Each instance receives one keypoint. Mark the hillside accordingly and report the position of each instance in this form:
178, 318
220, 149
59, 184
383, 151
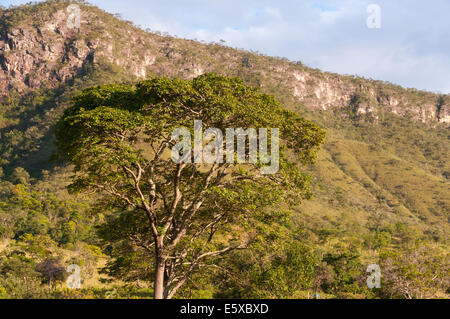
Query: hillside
385, 158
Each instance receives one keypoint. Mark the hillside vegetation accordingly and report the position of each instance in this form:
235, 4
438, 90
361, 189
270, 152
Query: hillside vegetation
380, 184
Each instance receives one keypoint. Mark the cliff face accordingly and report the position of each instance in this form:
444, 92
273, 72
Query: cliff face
50, 52
29, 57
45, 55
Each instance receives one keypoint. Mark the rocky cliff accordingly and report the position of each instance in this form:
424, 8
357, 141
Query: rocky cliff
48, 51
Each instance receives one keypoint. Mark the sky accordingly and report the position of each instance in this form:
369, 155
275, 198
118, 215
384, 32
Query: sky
407, 43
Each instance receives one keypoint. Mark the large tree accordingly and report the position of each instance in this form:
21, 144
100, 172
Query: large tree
183, 214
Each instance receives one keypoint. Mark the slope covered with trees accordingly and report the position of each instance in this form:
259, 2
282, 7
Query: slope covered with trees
380, 184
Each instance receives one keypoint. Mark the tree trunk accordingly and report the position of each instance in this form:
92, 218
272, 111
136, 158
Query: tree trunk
159, 278
160, 268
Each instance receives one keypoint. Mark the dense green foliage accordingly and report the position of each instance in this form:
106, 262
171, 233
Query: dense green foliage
181, 214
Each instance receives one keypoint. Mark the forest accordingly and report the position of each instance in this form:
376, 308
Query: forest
86, 177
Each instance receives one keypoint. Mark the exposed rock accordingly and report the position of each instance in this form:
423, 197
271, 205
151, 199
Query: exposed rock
444, 114
34, 56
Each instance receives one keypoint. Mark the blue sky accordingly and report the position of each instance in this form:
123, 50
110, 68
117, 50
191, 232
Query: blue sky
412, 47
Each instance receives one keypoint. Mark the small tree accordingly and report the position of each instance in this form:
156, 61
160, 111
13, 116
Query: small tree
180, 215
414, 273
52, 271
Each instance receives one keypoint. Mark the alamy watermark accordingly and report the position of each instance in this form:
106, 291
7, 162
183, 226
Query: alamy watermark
374, 280
374, 18
74, 18
74, 279
215, 152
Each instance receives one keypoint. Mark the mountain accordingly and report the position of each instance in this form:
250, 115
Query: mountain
387, 149
46, 51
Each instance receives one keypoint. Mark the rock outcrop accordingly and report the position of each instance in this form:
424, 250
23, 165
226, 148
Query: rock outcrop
46, 54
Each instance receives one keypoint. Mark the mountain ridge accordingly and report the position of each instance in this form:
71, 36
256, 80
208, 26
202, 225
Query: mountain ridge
46, 62
45, 53
380, 183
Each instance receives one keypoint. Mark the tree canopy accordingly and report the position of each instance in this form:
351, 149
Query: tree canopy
181, 215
